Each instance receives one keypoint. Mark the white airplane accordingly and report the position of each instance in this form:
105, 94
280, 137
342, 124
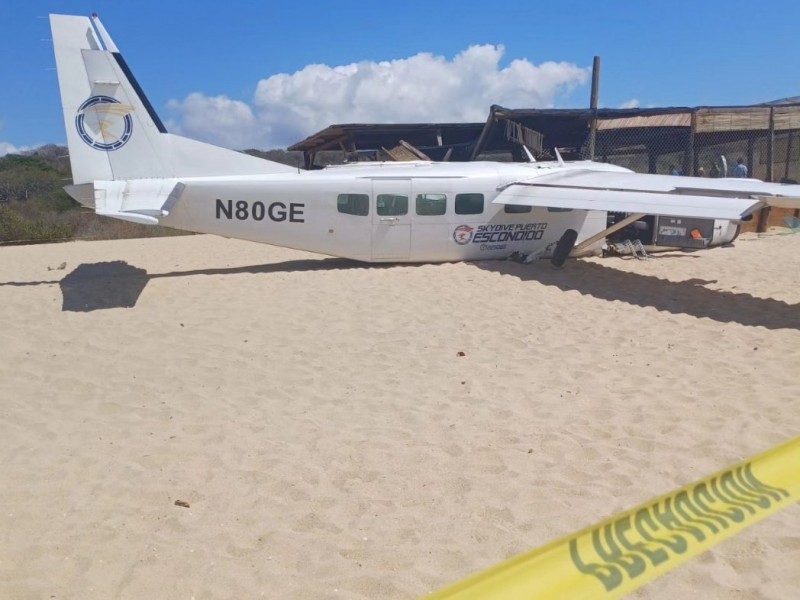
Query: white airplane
127, 166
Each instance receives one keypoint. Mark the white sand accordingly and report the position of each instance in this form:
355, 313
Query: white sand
330, 441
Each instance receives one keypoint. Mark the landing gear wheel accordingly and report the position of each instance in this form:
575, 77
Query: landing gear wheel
563, 248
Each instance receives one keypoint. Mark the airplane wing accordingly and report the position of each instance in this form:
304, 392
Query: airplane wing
621, 191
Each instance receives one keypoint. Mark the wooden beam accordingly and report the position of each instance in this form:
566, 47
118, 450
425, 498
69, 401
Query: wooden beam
388, 153
332, 143
414, 150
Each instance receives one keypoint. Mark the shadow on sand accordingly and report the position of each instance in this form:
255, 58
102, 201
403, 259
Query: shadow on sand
689, 297
117, 284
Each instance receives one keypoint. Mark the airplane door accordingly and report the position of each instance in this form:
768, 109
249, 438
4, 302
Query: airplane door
391, 219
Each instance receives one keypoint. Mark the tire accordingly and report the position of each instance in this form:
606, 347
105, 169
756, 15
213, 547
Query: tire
563, 248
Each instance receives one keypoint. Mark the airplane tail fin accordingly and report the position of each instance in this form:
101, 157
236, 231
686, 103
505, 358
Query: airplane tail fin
113, 132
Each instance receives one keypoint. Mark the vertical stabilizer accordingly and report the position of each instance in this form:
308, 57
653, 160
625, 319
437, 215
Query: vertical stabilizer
113, 132
71, 37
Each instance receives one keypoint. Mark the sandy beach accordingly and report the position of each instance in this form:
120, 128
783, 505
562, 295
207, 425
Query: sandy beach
346, 431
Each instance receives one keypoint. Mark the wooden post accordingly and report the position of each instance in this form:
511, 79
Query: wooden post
593, 105
652, 160
764, 213
771, 146
691, 167
484, 135
763, 219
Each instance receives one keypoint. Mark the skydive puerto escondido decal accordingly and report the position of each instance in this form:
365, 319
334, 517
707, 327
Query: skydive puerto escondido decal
498, 234
104, 123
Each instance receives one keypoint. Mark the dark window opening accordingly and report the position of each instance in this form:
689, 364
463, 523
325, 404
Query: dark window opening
353, 204
517, 209
431, 205
390, 205
469, 204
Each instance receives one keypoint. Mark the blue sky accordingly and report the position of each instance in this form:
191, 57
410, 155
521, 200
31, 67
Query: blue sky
213, 69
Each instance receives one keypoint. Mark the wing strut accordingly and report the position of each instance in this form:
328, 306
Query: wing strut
608, 231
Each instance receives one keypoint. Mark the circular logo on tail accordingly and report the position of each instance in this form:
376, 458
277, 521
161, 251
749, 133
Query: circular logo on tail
104, 123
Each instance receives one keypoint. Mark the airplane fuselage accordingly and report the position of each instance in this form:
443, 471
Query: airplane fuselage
389, 212
397, 212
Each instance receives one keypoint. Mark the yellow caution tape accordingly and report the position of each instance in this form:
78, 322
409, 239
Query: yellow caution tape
622, 553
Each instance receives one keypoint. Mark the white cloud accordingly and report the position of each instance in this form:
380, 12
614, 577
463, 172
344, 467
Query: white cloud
632, 103
216, 119
422, 88
6, 148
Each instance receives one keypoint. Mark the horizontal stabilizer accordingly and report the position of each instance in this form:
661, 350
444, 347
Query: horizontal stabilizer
142, 201
129, 216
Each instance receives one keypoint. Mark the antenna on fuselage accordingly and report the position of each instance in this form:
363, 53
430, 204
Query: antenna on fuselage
558, 157
528, 153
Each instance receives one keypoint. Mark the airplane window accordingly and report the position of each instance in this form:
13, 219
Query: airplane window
469, 204
353, 204
390, 205
431, 205
513, 209
557, 209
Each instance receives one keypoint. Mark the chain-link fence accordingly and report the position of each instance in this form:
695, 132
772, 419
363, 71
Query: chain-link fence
760, 142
